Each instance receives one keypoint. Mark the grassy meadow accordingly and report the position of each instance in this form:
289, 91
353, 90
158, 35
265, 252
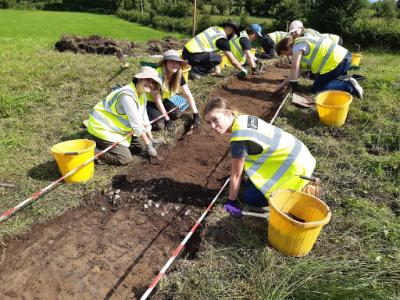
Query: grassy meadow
51, 25
357, 255
45, 95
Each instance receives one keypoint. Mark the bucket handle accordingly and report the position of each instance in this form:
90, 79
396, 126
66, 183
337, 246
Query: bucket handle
71, 153
309, 178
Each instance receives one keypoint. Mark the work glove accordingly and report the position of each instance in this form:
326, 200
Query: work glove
196, 120
233, 209
242, 74
169, 125
294, 85
151, 150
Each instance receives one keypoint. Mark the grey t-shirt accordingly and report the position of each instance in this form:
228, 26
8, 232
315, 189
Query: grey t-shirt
137, 115
301, 46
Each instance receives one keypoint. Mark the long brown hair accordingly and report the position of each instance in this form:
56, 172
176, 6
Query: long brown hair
174, 83
285, 44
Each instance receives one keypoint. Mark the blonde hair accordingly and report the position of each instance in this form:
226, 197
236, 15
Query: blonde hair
220, 104
174, 83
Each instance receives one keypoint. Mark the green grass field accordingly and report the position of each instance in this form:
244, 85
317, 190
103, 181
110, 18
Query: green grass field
51, 25
45, 95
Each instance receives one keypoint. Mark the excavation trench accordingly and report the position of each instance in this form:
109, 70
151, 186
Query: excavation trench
116, 242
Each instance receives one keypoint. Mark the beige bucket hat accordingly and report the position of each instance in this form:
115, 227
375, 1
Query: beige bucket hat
173, 55
149, 73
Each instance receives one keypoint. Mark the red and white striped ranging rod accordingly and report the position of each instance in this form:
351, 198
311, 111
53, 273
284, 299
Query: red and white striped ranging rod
4, 216
181, 245
190, 233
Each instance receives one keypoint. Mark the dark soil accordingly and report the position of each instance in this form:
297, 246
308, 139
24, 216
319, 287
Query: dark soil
166, 43
95, 44
117, 241
106, 46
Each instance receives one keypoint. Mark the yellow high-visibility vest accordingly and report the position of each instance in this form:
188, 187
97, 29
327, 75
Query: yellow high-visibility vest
237, 49
324, 55
205, 41
165, 92
281, 157
106, 123
277, 36
333, 37
308, 32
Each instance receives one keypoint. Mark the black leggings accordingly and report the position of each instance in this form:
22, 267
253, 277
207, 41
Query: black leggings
153, 113
202, 63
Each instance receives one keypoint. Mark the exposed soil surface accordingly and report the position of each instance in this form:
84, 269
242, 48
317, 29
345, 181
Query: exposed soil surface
94, 44
107, 46
113, 246
166, 43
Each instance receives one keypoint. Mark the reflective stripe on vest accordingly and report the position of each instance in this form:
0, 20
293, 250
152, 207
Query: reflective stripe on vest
106, 123
165, 93
324, 55
282, 157
308, 32
205, 41
333, 37
237, 49
277, 36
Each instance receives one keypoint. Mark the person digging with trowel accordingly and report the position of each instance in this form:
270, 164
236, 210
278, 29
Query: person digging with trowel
159, 102
122, 111
271, 158
202, 50
241, 49
326, 60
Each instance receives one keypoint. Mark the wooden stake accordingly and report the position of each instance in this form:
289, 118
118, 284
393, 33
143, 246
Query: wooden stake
194, 18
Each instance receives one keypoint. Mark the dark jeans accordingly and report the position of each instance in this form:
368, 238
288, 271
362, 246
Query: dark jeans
153, 113
202, 63
329, 80
252, 195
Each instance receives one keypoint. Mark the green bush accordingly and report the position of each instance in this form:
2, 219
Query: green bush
135, 16
376, 33
335, 16
7, 3
288, 10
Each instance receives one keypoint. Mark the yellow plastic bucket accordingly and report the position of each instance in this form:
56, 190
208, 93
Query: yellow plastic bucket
333, 107
71, 154
356, 59
287, 232
224, 61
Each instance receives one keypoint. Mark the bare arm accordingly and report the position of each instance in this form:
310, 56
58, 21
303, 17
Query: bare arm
294, 70
233, 60
188, 95
250, 58
237, 165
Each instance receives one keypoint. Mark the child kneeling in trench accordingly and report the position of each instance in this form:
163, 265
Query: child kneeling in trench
271, 157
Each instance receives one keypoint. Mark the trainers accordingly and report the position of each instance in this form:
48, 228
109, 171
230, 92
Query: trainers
194, 76
359, 90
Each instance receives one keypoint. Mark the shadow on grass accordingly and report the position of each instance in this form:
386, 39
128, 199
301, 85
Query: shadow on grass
302, 119
231, 232
45, 171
